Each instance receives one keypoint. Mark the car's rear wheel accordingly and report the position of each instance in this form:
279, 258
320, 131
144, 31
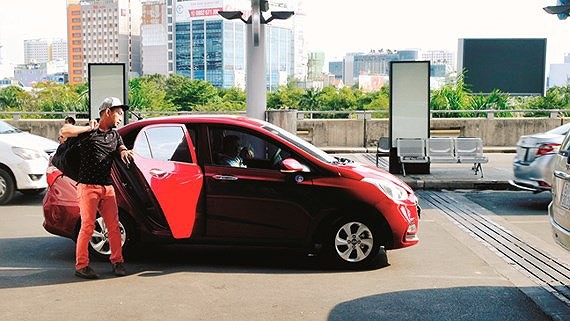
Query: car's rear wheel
99, 244
7, 187
353, 243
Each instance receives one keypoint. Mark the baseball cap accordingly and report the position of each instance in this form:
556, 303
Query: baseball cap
111, 102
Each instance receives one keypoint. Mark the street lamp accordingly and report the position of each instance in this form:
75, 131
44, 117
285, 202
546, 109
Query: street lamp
256, 99
562, 10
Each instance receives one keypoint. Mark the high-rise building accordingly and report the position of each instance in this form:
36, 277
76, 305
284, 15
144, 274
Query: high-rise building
36, 51
58, 50
103, 31
213, 49
44, 50
315, 64
157, 41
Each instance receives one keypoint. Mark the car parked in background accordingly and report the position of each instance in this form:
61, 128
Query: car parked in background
240, 181
532, 165
23, 162
559, 208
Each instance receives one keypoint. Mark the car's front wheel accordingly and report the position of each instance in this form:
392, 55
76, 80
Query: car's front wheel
353, 243
7, 187
99, 244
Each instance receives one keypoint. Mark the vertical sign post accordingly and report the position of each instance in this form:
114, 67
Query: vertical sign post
409, 109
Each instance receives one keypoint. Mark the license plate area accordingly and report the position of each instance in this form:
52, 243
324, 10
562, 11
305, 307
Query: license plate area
565, 196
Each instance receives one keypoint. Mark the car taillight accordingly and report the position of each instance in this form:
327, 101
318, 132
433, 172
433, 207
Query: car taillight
547, 149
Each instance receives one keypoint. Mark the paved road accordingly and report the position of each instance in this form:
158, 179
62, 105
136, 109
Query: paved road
448, 276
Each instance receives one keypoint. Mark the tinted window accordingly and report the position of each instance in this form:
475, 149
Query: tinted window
237, 148
166, 143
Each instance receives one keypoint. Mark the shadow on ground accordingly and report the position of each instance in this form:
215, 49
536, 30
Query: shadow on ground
38, 261
461, 303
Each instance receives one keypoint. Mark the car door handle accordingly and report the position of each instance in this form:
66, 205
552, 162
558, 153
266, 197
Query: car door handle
562, 175
157, 172
225, 178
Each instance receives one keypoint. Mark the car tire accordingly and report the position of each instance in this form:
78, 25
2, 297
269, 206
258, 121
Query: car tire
7, 187
352, 243
99, 245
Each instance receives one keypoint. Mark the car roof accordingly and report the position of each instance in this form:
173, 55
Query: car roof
195, 119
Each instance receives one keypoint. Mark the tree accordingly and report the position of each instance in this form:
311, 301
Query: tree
186, 93
148, 93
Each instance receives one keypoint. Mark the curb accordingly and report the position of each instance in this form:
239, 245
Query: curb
419, 184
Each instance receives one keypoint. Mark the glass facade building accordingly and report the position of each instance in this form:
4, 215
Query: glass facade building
212, 49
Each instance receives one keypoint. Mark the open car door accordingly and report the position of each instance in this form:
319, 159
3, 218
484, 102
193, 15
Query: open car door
165, 156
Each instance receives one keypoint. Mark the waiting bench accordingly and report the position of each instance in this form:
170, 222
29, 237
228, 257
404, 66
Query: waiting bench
442, 150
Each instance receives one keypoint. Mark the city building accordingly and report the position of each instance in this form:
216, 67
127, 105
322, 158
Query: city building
441, 62
335, 68
58, 50
315, 65
31, 73
157, 38
36, 51
103, 31
559, 75
210, 48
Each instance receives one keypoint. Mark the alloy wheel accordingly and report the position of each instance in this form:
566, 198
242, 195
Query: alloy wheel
353, 242
100, 240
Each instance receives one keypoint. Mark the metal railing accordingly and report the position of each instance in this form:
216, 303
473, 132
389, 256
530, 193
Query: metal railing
301, 114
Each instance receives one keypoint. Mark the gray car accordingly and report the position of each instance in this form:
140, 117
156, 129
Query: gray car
532, 165
559, 208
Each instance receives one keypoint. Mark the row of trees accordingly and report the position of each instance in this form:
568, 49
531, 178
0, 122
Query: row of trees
179, 93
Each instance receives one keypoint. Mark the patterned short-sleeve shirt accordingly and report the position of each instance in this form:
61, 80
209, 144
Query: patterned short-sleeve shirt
97, 151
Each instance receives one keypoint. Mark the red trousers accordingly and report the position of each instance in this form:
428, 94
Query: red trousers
93, 198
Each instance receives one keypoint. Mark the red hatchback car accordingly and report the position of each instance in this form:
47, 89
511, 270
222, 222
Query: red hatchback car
240, 181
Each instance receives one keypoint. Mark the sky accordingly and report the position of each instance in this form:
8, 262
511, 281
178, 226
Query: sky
339, 26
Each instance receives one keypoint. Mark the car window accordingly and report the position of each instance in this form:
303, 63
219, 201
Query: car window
237, 148
6, 128
166, 143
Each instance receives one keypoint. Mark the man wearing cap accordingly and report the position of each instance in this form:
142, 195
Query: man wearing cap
99, 144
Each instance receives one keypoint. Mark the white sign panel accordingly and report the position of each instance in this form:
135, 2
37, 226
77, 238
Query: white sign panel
105, 80
409, 100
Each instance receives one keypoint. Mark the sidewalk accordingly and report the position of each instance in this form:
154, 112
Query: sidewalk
496, 173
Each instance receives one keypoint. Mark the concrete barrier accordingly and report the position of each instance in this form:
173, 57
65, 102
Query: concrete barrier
363, 133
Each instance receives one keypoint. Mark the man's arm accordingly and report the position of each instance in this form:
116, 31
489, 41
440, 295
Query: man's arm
69, 130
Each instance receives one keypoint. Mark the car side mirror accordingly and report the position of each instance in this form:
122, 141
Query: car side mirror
291, 165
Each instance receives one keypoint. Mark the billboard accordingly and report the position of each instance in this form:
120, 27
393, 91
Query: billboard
513, 65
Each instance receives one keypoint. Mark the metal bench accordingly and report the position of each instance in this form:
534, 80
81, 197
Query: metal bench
411, 150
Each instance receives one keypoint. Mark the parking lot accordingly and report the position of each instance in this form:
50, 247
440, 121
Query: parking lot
449, 275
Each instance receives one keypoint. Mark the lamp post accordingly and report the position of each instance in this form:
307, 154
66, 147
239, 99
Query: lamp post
256, 99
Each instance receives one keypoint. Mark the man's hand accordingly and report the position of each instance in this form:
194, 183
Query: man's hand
126, 156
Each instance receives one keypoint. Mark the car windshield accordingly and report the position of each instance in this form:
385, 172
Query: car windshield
5, 128
562, 130
301, 143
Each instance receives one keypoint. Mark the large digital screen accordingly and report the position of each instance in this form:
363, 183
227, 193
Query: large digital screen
514, 66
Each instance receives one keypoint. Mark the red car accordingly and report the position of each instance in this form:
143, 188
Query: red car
237, 180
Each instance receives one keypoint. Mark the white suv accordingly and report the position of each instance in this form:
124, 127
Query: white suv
559, 208
23, 162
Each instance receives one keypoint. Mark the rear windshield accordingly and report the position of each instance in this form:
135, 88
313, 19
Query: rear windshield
562, 130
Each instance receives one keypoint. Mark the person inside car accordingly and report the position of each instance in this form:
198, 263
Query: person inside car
230, 155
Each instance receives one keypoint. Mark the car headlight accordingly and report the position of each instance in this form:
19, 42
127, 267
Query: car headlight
28, 154
393, 191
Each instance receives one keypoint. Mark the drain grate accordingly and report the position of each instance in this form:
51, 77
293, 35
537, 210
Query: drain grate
538, 265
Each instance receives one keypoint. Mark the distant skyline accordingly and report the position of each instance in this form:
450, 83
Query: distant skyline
337, 27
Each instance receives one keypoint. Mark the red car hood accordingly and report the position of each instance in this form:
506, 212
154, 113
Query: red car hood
359, 171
